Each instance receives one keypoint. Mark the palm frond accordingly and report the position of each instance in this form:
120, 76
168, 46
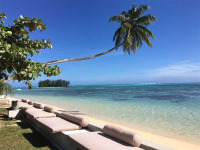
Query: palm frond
9, 89
122, 30
142, 8
127, 42
126, 48
118, 40
124, 13
134, 6
116, 33
127, 25
144, 38
117, 18
128, 38
6, 88
119, 35
146, 20
146, 31
137, 41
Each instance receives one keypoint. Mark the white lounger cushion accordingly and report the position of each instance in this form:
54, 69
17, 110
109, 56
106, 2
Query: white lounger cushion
98, 141
38, 113
76, 119
39, 105
50, 109
25, 100
56, 124
122, 134
30, 102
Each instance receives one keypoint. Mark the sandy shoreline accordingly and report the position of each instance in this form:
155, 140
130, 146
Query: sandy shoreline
158, 139
172, 143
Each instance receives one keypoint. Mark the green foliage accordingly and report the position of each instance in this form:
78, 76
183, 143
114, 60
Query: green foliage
16, 49
6, 88
133, 30
54, 83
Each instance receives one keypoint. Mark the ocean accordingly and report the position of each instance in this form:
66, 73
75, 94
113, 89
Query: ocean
171, 110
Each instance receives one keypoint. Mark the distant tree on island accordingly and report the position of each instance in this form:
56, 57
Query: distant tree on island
16, 48
54, 83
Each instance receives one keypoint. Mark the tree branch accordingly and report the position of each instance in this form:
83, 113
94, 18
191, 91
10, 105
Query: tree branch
9, 78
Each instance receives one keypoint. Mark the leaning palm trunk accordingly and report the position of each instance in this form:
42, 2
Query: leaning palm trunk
84, 58
73, 59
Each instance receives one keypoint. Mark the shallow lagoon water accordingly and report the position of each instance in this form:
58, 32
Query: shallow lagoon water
168, 109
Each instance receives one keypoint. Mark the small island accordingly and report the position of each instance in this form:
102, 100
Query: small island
54, 83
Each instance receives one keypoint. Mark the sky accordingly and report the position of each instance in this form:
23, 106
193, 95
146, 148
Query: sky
80, 28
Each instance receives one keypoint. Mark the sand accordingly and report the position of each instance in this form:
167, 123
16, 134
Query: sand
171, 143
158, 139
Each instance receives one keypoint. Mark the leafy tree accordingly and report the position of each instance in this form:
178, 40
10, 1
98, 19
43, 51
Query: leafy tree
16, 47
40, 84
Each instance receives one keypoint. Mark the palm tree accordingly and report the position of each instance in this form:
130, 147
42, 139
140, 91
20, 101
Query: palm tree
131, 34
6, 88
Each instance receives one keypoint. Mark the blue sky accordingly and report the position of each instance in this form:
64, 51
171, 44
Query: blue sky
80, 28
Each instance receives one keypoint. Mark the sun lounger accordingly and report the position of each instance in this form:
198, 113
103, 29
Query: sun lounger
35, 113
66, 122
25, 104
112, 138
39, 113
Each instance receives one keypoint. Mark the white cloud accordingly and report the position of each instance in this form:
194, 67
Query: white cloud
176, 73
180, 69
180, 72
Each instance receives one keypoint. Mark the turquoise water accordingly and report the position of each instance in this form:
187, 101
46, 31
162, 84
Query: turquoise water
167, 109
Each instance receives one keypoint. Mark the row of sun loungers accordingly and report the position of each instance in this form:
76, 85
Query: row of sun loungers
54, 122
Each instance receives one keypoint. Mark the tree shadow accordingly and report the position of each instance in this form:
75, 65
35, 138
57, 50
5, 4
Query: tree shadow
37, 140
33, 136
24, 125
4, 117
